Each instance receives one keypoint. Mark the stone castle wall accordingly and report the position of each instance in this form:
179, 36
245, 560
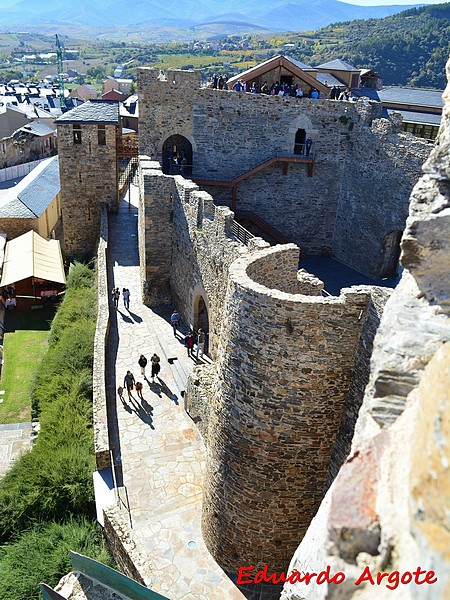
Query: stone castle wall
99, 404
285, 363
397, 476
88, 174
155, 233
378, 298
187, 246
362, 177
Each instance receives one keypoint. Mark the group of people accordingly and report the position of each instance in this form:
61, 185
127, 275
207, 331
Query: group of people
177, 162
336, 93
219, 82
125, 295
129, 382
190, 339
278, 89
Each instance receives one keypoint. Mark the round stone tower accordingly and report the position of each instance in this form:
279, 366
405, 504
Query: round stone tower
285, 362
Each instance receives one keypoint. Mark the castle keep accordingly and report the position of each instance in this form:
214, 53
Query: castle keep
353, 207
87, 139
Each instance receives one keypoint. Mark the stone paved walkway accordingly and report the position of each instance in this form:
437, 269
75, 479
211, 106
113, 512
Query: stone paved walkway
161, 452
14, 440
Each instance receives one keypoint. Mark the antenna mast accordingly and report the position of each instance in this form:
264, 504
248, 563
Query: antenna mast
60, 70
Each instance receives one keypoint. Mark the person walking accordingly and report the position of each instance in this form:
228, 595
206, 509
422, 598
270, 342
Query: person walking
189, 343
156, 367
126, 298
116, 296
142, 362
174, 321
200, 343
128, 382
139, 390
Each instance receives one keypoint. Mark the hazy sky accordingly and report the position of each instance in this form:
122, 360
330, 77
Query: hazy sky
391, 2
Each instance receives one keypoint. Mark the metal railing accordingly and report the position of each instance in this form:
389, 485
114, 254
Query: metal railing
263, 226
241, 233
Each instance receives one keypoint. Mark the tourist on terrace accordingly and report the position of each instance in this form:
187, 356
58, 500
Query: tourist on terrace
265, 88
201, 339
156, 367
314, 94
299, 92
189, 343
139, 390
126, 298
116, 296
142, 362
128, 382
308, 146
175, 321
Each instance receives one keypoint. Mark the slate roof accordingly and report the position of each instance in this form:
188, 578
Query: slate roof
337, 65
300, 64
37, 128
419, 118
367, 93
330, 79
30, 198
414, 96
98, 111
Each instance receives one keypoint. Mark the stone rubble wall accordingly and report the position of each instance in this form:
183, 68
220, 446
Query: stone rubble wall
284, 366
100, 415
378, 298
388, 507
155, 233
381, 170
363, 175
282, 273
199, 390
130, 557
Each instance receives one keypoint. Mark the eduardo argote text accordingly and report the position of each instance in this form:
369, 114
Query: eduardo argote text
248, 575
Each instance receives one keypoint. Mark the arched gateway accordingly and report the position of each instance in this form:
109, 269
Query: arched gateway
177, 156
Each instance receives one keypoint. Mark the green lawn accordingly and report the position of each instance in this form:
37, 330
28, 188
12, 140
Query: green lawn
24, 345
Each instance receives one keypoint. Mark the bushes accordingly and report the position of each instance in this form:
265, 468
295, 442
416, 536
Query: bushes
42, 554
53, 482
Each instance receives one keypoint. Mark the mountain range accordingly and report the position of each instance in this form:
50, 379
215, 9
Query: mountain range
269, 14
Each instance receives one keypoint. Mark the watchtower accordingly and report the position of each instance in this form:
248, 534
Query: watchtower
87, 145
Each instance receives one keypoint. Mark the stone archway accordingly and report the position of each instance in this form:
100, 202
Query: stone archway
201, 318
390, 254
299, 129
177, 156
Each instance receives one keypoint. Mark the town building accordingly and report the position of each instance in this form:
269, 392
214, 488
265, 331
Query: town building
34, 203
